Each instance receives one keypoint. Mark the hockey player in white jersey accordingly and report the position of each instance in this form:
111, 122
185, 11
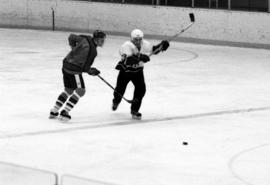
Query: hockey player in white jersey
134, 54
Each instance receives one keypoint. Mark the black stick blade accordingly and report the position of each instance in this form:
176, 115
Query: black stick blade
192, 17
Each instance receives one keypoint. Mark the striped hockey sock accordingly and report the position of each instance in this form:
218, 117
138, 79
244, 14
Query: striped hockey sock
72, 102
62, 98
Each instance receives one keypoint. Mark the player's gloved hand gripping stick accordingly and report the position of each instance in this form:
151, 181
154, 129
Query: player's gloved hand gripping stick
93, 71
192, 20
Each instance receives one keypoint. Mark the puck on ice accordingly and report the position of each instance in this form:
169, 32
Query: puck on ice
185, 143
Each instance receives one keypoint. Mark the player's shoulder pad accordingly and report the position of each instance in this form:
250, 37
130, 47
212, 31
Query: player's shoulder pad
128, 44
147, 47
127, 48
86, 36
86, 39
146, 42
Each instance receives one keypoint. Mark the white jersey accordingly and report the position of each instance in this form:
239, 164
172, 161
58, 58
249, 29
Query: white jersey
129, 49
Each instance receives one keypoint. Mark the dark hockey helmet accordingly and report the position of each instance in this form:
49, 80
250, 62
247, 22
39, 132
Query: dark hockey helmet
99, 34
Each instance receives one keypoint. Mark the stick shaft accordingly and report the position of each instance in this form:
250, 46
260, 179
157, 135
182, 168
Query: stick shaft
180, 32
173, 37
113, 89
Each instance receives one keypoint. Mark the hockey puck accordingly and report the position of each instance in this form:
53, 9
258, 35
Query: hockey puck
185, 143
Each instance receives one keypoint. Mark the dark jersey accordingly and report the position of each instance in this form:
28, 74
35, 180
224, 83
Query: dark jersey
82, 55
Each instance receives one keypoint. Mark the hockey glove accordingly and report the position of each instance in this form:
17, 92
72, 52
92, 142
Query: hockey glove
93, 71
165, 44
144, 58
134, 59
162, 46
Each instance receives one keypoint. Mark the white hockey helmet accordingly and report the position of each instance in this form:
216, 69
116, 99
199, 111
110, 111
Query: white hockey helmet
136, 34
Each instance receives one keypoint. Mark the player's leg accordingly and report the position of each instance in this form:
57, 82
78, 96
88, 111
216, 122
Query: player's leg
78, 84
72, 101
139, 92
61, 100
121, 85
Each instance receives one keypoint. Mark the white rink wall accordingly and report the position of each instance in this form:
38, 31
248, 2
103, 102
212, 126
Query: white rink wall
213, 26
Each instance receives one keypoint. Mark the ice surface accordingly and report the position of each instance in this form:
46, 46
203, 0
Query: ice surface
12, 174
215, 98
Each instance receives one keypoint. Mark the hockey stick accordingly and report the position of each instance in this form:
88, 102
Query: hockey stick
129, 101
192, 20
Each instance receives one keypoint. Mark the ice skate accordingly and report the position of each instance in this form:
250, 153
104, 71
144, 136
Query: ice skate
114, 106
136, 115
53, 115
64, 116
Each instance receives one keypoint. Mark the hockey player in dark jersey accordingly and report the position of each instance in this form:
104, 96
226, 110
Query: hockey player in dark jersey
134, 54
79, 60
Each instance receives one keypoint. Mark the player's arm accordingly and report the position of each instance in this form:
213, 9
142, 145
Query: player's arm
74, 40
130, 60
127, 55
93, 71
162, 46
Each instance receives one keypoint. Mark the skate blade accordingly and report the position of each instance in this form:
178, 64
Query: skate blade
114, 108
136, 117
53, 117
63, 119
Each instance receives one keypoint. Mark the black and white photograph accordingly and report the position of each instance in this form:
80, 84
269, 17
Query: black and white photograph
134, 92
